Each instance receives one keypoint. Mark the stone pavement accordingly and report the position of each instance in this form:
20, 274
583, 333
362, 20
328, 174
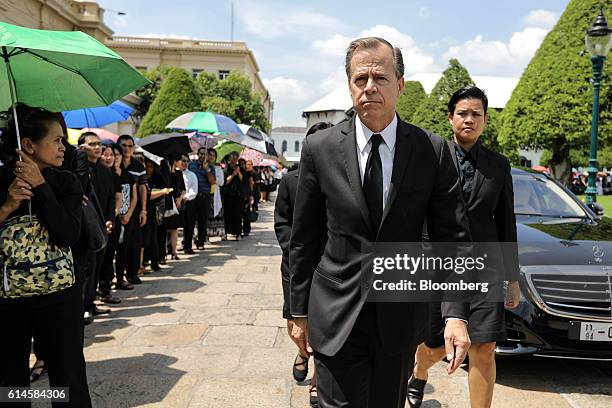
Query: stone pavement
208, 332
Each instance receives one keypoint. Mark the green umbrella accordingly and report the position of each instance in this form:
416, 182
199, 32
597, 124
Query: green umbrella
225, 147
60, 71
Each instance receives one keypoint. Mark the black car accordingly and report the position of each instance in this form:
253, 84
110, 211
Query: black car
565, 253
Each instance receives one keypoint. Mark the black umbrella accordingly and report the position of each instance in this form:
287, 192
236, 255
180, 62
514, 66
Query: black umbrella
165, 143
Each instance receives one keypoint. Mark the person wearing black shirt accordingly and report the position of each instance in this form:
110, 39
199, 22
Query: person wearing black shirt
486, 182
232, 194
101, 189
53, 312
125, 203
247, 195
129, 262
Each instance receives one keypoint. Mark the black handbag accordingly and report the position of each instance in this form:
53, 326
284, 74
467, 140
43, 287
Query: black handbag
253, 216
93, 225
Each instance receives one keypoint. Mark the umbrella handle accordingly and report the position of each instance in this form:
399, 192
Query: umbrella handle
13, 91
12, 87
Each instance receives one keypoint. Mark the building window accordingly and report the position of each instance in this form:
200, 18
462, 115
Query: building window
141, 69
195, 72
297, 146
284, 148
223, 74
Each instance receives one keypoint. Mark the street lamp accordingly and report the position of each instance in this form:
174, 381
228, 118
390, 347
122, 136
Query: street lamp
598, 42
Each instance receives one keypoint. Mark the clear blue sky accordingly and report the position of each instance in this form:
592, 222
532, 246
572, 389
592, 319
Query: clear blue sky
299, 44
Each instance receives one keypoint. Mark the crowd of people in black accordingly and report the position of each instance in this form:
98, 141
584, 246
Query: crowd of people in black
80, 224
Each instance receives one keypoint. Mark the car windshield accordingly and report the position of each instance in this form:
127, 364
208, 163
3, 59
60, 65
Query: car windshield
537, 195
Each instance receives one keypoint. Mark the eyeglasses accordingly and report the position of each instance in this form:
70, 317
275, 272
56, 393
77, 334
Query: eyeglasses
127, 146
94, 144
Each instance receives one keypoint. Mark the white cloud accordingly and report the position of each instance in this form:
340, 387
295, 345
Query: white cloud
424, 13
496, 57
281, 20
285, 89
415, 59
525, 43
541, 18
334, 80
333, 46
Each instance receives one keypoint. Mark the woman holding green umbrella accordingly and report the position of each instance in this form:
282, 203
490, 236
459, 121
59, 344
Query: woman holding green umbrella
39, 295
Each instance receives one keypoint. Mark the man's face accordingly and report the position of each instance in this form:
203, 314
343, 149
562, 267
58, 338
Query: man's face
202, 155
128, 147
374, 86
93, 147
468, 121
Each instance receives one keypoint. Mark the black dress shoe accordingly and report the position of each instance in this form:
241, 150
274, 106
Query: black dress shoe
110, 299
189, 252
416, 391
135, 280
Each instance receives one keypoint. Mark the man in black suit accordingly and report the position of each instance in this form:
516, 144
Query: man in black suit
373, 178
487, 189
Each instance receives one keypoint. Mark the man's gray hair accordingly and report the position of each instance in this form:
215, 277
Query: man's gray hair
373, 42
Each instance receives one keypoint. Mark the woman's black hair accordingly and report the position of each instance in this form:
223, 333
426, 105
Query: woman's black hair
118, 147
34, 124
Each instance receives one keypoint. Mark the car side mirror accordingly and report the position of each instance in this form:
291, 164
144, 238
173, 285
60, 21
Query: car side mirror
597, 209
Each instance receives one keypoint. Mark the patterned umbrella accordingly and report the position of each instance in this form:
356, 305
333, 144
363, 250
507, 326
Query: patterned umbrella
253, 155
198, 140
207, 122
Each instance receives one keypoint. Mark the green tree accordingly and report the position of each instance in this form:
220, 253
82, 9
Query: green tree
580, 158
149, 92
551, 106
177, 95
410, 99
432, 113
232, 97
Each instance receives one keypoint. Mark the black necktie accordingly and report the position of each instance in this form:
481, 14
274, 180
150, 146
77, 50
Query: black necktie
373, 182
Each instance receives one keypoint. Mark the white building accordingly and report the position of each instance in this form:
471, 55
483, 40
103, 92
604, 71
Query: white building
288, 142
332, 107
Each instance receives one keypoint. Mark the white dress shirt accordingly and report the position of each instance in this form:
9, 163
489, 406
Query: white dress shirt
386, 151
191, 184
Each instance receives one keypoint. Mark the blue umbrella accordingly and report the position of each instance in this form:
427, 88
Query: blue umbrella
97, 117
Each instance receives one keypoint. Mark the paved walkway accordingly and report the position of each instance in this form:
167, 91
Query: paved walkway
208, 332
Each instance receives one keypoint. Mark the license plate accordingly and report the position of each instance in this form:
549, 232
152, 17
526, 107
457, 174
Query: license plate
594, 331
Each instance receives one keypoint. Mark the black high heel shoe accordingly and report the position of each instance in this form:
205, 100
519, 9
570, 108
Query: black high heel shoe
300, 375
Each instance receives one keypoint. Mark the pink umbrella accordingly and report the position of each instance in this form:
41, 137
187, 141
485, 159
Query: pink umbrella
253, 155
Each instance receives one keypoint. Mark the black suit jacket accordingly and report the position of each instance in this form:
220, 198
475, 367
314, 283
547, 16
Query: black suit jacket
283, 220
327, 288
490, 206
